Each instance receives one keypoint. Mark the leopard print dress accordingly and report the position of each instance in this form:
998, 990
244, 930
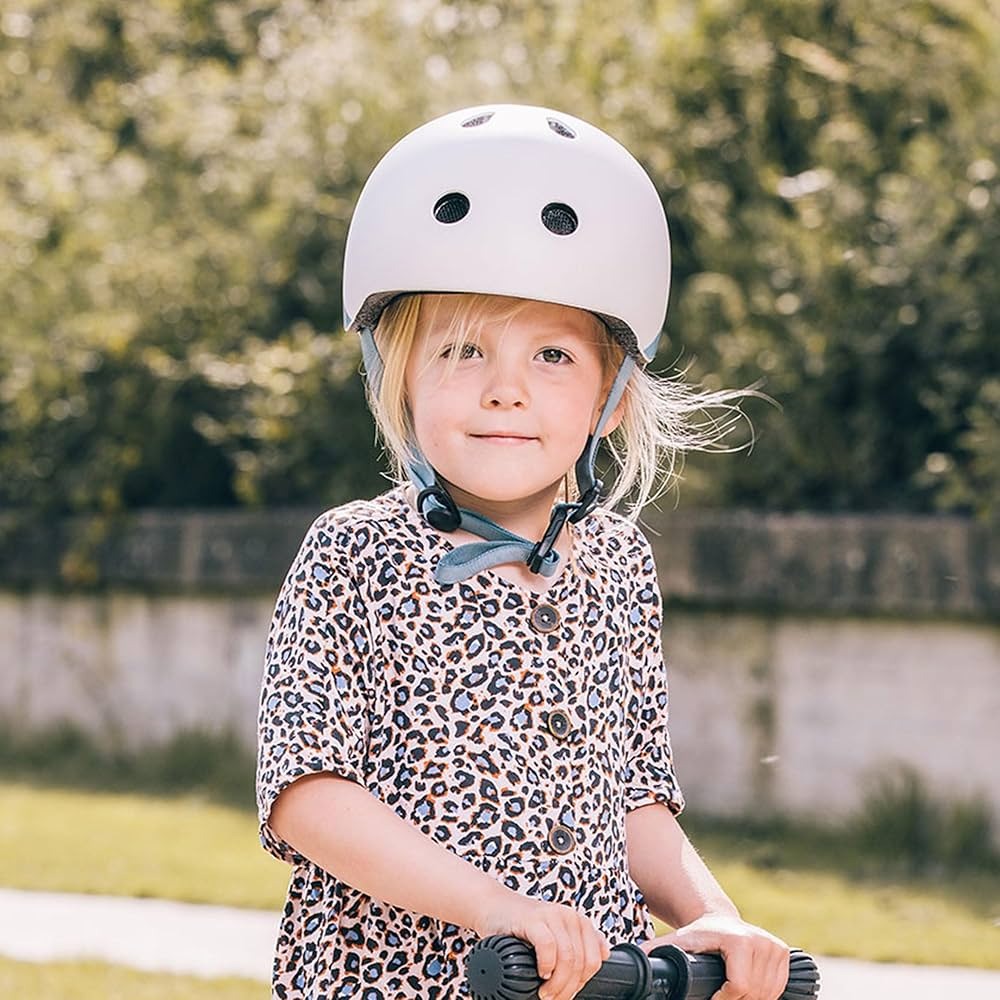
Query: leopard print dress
514, 728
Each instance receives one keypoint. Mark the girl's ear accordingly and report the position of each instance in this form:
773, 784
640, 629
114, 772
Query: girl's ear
617, 415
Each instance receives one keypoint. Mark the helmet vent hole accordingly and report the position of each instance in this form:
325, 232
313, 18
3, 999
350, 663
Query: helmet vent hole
478, 120
559, 219
564, 130
452, 207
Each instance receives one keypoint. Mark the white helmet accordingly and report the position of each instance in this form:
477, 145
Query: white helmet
513, 200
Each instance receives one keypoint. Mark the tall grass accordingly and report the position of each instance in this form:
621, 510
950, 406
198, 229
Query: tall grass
216, 765
914, 833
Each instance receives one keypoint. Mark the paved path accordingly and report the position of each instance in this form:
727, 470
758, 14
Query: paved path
153, 934
164, 936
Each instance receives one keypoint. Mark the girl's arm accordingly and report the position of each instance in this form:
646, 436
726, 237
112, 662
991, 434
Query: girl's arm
680, 890
344, 829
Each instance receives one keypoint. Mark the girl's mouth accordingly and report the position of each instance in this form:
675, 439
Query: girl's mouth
504, 439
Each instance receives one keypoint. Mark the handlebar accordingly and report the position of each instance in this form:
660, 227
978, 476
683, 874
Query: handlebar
504, 968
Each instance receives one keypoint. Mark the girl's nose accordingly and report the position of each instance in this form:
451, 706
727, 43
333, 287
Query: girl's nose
505, 386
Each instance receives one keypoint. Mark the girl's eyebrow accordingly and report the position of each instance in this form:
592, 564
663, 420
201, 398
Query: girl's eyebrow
566, 327
568, 336
539, 332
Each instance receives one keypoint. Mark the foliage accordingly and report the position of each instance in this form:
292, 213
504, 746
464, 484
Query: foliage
216, 766
910, 831
178, 177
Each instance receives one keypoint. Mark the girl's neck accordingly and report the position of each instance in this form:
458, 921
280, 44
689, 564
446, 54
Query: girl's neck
527, 516
529, 519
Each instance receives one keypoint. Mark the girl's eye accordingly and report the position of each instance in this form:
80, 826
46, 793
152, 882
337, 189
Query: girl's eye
468, 351
554, 355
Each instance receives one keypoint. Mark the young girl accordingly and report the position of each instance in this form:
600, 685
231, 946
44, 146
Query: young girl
463, 726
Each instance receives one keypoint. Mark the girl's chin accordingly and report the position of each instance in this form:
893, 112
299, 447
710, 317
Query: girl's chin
507, 494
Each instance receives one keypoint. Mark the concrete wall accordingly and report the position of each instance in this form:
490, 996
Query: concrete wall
132, 668
796, 714
807, 653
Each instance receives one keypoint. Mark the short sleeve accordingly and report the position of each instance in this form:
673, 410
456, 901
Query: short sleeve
649, 768
314, 705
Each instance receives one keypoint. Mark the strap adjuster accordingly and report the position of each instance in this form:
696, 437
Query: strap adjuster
587, 502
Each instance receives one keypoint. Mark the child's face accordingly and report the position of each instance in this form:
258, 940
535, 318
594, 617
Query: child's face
512, 417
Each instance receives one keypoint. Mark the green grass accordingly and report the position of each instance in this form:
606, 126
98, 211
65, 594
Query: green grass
813, 888
181, 848
810, 887
97, 981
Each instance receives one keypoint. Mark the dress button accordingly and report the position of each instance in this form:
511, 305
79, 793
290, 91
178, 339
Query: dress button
544, 618
561, 839
558, 723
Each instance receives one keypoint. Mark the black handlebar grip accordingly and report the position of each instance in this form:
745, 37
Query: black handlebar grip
503, 968
698, 977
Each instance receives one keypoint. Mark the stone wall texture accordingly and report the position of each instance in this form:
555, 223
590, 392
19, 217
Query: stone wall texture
808, 655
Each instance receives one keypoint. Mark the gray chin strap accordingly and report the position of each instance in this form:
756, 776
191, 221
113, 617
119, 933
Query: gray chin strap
499, 546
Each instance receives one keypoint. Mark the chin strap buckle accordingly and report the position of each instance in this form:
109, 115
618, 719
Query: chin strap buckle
561, 513
445, 517
543, 548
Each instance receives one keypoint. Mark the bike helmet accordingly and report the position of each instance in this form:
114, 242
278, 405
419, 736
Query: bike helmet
518, 201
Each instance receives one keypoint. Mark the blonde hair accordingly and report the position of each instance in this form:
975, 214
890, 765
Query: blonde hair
663, 417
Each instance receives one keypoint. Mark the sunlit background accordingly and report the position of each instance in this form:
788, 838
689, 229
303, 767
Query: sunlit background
178, 179
176, 182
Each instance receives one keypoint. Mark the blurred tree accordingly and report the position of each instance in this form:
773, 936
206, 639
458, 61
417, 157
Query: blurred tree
178, 177
838, 203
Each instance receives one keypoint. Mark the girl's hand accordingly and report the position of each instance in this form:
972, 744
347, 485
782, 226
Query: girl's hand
569, 949
756, 962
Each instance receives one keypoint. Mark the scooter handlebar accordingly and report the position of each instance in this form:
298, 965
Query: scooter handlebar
504, 968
